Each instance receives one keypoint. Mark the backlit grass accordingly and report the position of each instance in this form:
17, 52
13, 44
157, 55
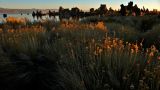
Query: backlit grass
77, 56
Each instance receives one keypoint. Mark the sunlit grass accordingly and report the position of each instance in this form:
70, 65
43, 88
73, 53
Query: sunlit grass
77, 56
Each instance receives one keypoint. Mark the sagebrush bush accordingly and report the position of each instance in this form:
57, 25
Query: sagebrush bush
124, 32
152, 37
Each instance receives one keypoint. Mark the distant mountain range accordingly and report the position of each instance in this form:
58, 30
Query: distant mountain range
23, 11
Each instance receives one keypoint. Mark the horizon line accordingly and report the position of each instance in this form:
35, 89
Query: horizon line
150, 9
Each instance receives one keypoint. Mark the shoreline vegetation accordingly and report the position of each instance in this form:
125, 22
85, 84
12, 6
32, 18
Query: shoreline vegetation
94, 53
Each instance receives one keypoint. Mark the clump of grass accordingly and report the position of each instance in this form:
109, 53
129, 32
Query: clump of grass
28, 60
106, 64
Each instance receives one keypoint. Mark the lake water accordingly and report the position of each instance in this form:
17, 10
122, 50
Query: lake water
29, 17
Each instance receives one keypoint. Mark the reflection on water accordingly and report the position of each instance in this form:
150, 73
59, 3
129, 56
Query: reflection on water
28, 16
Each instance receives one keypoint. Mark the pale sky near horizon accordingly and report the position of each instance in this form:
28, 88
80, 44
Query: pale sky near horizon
82, 4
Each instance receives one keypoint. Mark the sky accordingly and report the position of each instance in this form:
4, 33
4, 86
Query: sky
82, 4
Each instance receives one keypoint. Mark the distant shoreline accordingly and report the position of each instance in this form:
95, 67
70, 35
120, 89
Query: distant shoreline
23, 11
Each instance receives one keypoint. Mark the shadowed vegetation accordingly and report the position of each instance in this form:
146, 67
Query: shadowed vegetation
106, 54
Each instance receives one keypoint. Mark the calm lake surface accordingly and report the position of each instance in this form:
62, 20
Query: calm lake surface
28, 16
